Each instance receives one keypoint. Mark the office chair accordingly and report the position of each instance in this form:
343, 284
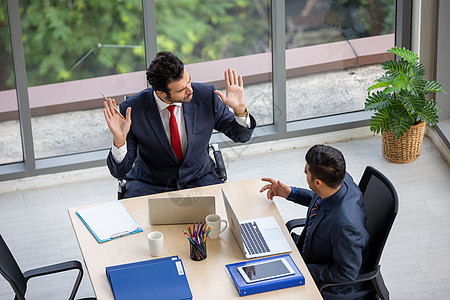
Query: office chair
18, 280
381, 205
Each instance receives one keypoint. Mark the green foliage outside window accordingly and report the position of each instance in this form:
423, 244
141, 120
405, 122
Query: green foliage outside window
76, 39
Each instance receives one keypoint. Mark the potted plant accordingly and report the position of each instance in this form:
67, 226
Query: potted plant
401, 107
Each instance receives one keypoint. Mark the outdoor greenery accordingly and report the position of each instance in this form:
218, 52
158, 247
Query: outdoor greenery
402, 101
361, 18
76, 39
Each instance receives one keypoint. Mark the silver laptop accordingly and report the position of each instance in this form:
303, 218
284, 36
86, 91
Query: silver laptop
256, 237
180, 210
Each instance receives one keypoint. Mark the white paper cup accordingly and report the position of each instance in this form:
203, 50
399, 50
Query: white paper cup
155, 243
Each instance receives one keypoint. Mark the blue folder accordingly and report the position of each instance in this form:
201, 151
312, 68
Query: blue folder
245, 288
161, 278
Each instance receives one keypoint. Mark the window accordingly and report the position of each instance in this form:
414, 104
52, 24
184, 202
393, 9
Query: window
10, 138
333, 50
73, 51
210, 36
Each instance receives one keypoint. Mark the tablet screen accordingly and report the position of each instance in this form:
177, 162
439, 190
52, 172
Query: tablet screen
266, 270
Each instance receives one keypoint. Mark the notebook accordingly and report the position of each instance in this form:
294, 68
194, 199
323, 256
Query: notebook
256, 237
181, 210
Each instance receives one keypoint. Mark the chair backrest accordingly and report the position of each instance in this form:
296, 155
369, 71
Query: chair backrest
11, 270
381, 205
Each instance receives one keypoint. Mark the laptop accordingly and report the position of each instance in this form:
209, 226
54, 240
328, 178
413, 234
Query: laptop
181, 210
256, 237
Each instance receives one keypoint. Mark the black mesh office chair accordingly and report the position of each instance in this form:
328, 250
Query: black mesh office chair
18, 280
381, 205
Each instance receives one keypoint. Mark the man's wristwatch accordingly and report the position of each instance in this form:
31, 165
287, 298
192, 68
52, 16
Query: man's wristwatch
244, 114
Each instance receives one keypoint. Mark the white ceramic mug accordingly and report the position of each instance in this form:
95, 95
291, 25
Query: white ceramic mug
215, 223
155, 243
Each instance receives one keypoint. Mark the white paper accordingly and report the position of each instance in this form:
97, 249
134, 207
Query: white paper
109, 220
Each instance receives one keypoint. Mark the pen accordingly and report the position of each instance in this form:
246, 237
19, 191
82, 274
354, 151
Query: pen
199, 249
115, 108
197, 246
119, 234
209, 230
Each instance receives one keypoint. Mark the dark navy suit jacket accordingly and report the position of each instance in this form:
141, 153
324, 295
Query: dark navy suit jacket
337, 243
150, 159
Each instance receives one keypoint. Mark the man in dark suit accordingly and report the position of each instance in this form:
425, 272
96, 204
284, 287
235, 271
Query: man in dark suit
162, 142
334, 241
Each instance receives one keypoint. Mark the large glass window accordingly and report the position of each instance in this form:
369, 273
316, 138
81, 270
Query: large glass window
74, 50
10, 139
333, 51
210, 36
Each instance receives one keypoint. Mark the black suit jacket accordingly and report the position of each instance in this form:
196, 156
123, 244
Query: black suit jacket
150, 157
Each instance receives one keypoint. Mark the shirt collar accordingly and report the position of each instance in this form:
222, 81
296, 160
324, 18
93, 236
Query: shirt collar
339, 193
163, 105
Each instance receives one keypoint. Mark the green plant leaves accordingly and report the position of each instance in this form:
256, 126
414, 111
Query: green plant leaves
402, 99
429, 112
405, 54
377, 101
434, 87
379, 121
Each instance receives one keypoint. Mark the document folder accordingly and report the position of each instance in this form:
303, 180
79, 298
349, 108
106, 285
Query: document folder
162, 278
108, 221
245, 288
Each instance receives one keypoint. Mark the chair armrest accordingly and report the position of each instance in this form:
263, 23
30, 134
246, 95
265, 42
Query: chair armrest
294, 223
121, 188
220, 165
361, 278
56, 268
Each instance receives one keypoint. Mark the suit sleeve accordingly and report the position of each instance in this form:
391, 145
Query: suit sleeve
347, 246
300, 196
121, 170
225, 122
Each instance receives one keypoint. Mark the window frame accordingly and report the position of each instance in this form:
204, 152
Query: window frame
280, 129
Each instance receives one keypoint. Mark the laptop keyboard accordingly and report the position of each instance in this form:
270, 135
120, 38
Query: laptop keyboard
253, 239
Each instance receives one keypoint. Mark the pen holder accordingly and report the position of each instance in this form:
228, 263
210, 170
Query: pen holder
197, 251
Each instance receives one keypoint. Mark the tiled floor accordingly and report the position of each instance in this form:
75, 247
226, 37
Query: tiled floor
415, 263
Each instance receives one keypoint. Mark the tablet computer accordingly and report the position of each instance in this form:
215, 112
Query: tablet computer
265, 270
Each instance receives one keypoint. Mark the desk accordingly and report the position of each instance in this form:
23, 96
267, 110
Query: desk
207, 279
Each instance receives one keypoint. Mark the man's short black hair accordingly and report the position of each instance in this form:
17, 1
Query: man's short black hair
164, 69
327, 164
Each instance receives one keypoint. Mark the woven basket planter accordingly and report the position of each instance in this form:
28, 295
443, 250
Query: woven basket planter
405, 149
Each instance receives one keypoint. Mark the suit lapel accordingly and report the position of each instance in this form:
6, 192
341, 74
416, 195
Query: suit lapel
155, 122
190, 116
323, 212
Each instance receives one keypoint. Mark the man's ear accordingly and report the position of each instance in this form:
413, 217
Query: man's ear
161, 95
318, 183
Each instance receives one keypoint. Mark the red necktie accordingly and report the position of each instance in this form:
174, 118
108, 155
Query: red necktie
174, 134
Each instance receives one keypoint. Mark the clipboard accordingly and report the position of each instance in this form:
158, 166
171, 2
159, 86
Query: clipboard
108, 221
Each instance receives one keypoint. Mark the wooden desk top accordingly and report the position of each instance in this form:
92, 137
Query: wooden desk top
208, 278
